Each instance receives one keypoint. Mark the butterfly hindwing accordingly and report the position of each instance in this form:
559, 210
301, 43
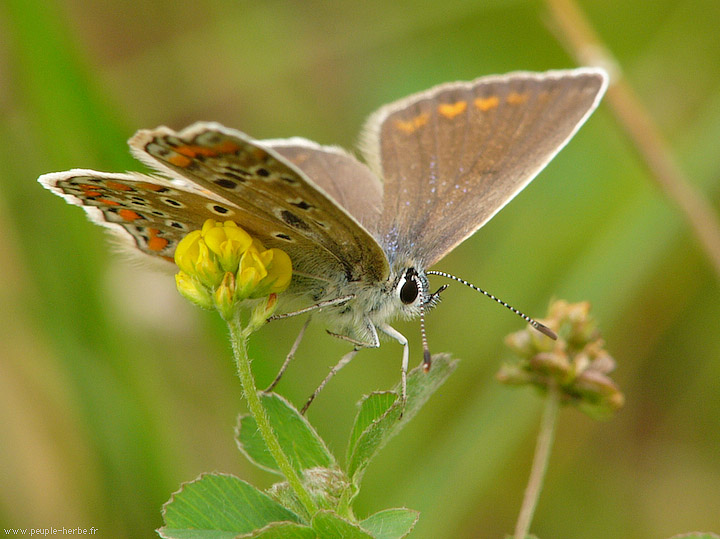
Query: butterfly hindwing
348, 181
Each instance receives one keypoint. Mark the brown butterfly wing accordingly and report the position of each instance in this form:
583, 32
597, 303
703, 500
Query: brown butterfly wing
348, 181
280, 204
144, 213
453, 156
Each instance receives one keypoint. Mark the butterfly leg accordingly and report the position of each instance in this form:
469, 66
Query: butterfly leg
399, 337
289, 357
374, 343
333, 371
316, 307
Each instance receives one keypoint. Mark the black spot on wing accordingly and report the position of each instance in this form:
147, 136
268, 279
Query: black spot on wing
302, 205
225, 183
293, 220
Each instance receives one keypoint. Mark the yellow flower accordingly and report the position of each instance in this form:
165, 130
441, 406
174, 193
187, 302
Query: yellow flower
224, 296
193, 290
279, 272
222, 265
228, 241
251, 272
187, 251
194, 258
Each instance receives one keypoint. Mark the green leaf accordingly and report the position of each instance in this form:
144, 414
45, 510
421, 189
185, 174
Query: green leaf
329, 525
372, 438
372, 407
391, 523
420, 386
219, 506
281, 530
299, 440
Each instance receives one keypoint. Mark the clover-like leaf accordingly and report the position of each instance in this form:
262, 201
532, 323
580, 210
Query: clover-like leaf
220, 506
372, 407
391, 523
281, 530
329, 525
378, 419
299, 440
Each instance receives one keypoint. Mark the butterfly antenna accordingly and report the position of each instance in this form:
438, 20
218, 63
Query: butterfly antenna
534, 323
427, 358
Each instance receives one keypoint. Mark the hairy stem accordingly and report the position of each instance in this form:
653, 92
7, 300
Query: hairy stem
239, 344
540, 462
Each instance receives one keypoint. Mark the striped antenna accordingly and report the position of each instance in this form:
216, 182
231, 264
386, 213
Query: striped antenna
534, 323
427, 358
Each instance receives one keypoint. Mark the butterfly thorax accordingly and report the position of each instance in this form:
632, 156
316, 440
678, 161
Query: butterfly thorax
370, 306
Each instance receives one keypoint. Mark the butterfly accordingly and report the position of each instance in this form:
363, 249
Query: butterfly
361, 236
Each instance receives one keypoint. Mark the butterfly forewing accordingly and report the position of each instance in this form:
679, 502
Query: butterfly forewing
453, 156
282, 206
147, 213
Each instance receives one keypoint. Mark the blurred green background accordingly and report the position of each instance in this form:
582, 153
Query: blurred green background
113, 390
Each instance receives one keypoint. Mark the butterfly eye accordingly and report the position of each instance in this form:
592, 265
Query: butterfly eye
409, 289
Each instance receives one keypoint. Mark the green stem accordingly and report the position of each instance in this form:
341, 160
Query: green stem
238, 337
540, 462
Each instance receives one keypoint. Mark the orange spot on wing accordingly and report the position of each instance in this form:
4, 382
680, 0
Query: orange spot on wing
188, 151
191, 150
129, 215
450, 110
259, 154
185, 154
155, 242
180, 160
108, 201
90, 191
413, 124
117, 186
515, 98
227, 146
300, 158
486, 103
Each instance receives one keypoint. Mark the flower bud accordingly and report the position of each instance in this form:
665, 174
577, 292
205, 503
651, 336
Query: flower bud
577, 363
193, 290
224, 296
